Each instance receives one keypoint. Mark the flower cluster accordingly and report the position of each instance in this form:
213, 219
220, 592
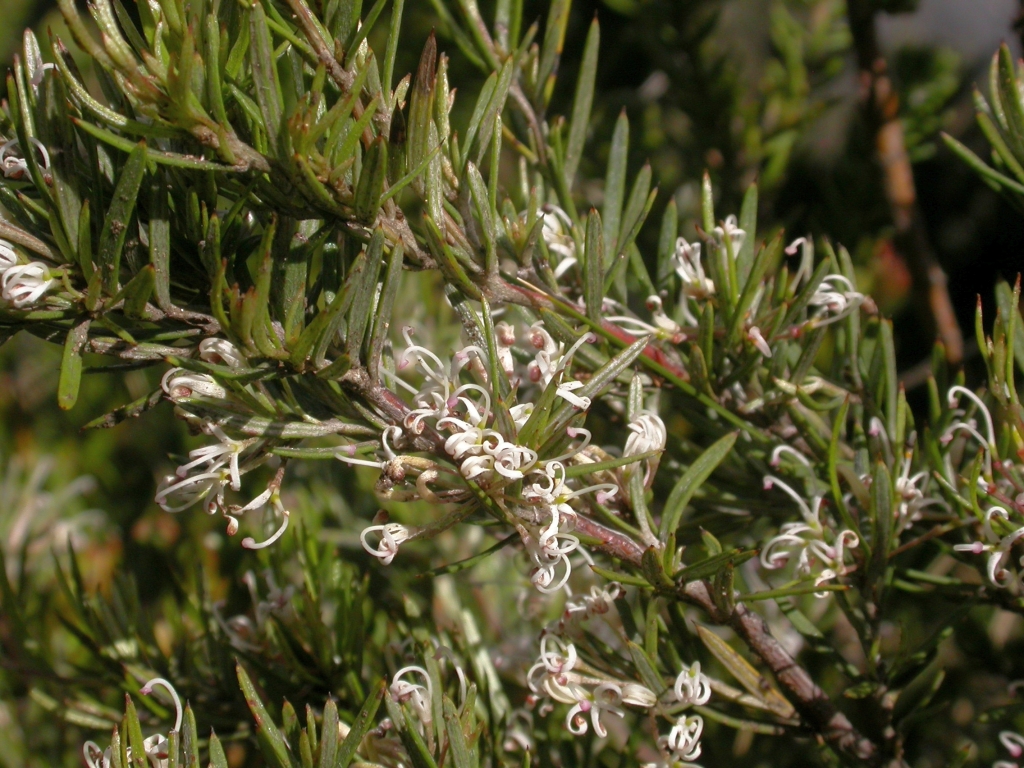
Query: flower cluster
819, 553
156, 747
22, 285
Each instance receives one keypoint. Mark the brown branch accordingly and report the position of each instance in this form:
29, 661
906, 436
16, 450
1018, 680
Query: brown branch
813, 704
881, 110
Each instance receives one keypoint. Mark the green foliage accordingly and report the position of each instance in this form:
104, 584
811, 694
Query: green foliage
683, 434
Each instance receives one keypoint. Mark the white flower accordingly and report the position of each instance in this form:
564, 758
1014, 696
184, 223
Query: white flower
683, 741
15, 166
24, 285
998, 548
221, 351
583, 608
551, 357
554, 676
692, 686
179, 384
834, 298
391, 537
686, 262
808, 539
988, 442
730, 229
557, 233
647, 433
175, 494
417, 696
227, 451
155, 747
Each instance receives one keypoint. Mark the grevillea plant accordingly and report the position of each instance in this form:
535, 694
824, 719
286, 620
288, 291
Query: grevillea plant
592, 501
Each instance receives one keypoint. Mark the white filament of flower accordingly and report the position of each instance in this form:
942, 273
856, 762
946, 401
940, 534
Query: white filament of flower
807, 538
998, 547
391, 537
988, 442
273, 496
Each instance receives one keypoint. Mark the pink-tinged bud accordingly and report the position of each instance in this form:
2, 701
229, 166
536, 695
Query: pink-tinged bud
533, 371
232, 526
537, 339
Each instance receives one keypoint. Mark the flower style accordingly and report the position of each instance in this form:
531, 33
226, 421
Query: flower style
554, 676
834, 298
25, 284
391, 537
808, 539
155, 747
664, 326
998, 549
912, 498
988, 442
1014, 744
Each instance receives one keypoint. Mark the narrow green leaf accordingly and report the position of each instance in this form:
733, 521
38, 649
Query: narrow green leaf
582, 103
363, 722
371, 181
667, 244
263, 67
691, 480
456, 737
385, 309
757, 685
593, 267
270, 739
71, 365
217, 757
551, 49
615, 185
119, 217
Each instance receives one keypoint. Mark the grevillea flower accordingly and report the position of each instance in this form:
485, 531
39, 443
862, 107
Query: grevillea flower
1014, 744
834, 299
155, 747
179, 384
24, 285
391, 537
